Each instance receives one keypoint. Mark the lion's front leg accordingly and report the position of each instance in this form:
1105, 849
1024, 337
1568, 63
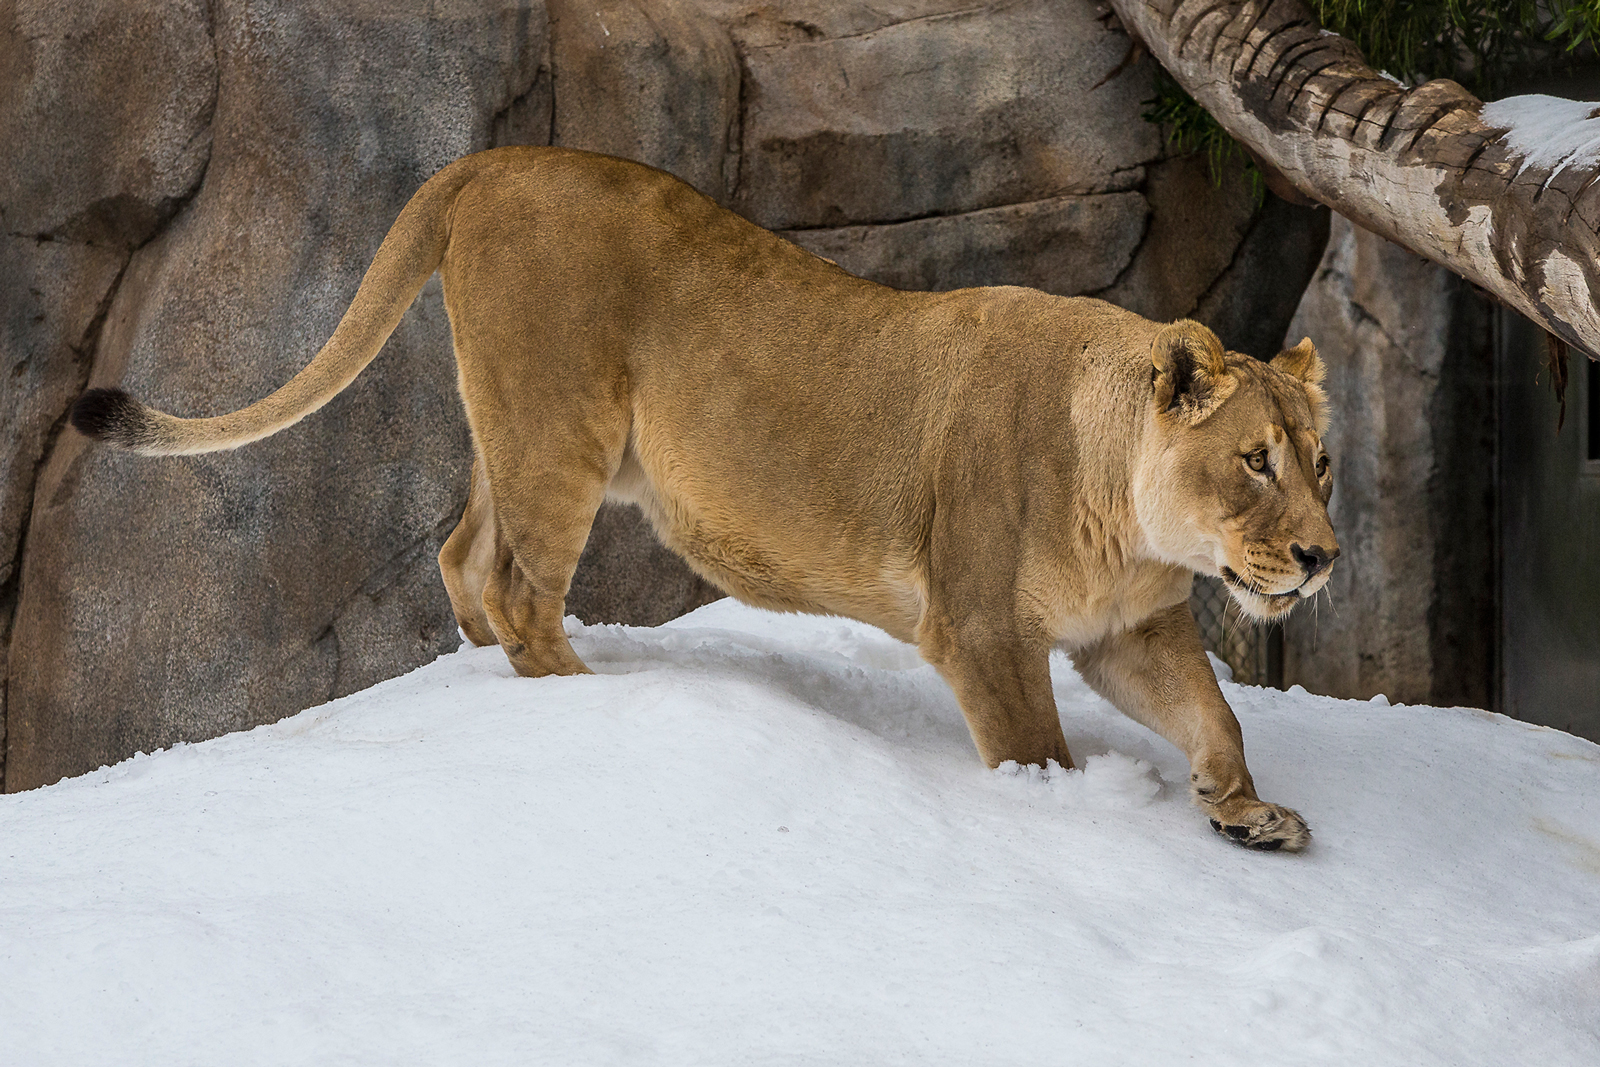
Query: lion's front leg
1002, 681
997, 663
1158, 675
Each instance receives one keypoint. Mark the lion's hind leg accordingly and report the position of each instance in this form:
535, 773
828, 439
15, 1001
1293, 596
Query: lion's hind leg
493, 600
468, 559
547, 476
527, 619
541, 519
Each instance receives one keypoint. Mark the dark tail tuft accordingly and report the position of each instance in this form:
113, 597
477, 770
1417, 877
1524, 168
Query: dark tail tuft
112, 416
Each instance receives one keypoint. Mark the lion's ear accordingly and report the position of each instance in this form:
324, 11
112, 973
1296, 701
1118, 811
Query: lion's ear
1189, 374
1302, 362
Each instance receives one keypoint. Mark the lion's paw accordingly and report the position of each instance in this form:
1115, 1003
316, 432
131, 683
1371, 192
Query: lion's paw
1266, 827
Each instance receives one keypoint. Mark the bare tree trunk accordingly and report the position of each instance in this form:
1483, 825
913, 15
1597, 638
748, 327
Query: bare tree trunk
1418, 166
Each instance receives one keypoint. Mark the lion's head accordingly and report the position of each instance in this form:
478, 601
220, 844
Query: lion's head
1236, 481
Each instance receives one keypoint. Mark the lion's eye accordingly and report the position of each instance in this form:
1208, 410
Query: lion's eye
1257, 460
1322, 466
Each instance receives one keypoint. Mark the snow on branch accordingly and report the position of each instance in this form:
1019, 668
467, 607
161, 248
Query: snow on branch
1507, 195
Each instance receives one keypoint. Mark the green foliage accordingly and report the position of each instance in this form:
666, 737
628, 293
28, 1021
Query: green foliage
1190, 128
1483, 44
1576, 23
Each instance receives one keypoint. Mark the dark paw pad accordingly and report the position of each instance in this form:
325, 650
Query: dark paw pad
1238, 833
1247, 837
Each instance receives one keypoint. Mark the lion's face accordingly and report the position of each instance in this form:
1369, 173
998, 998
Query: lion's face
1237, 483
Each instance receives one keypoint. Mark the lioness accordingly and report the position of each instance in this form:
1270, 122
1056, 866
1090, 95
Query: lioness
988, 473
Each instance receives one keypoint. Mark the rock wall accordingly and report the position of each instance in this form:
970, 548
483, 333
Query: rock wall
1410, 609
192, 191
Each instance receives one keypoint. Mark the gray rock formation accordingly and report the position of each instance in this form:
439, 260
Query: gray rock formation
1409, 611
953, 110
244, 180
1067, 244
192, 191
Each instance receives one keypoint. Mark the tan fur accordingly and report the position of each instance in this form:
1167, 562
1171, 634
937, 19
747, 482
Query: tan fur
986, 473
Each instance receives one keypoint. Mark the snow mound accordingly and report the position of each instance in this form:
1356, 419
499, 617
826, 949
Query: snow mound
1112, 782
764, 839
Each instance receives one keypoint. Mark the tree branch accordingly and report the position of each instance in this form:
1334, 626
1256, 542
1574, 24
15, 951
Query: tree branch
1418, 166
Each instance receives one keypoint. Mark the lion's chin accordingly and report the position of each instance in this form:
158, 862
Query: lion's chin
1269, 607
1261, 607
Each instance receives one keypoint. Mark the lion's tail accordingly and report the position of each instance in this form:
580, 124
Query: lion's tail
408, 257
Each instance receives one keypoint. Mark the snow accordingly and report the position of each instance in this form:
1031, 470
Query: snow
763, 839
1548, 132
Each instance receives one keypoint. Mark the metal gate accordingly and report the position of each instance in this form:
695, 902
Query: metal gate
1549, 535
1254, 650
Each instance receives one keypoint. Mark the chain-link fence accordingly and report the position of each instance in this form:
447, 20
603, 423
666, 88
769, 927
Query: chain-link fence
1252, 649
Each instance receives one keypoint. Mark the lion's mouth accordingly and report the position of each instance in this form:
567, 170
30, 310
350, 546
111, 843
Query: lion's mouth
1232, 578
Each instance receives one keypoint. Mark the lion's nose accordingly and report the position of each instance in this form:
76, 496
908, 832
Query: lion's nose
1315, 558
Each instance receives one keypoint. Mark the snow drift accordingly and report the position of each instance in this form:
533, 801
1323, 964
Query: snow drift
762, 839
